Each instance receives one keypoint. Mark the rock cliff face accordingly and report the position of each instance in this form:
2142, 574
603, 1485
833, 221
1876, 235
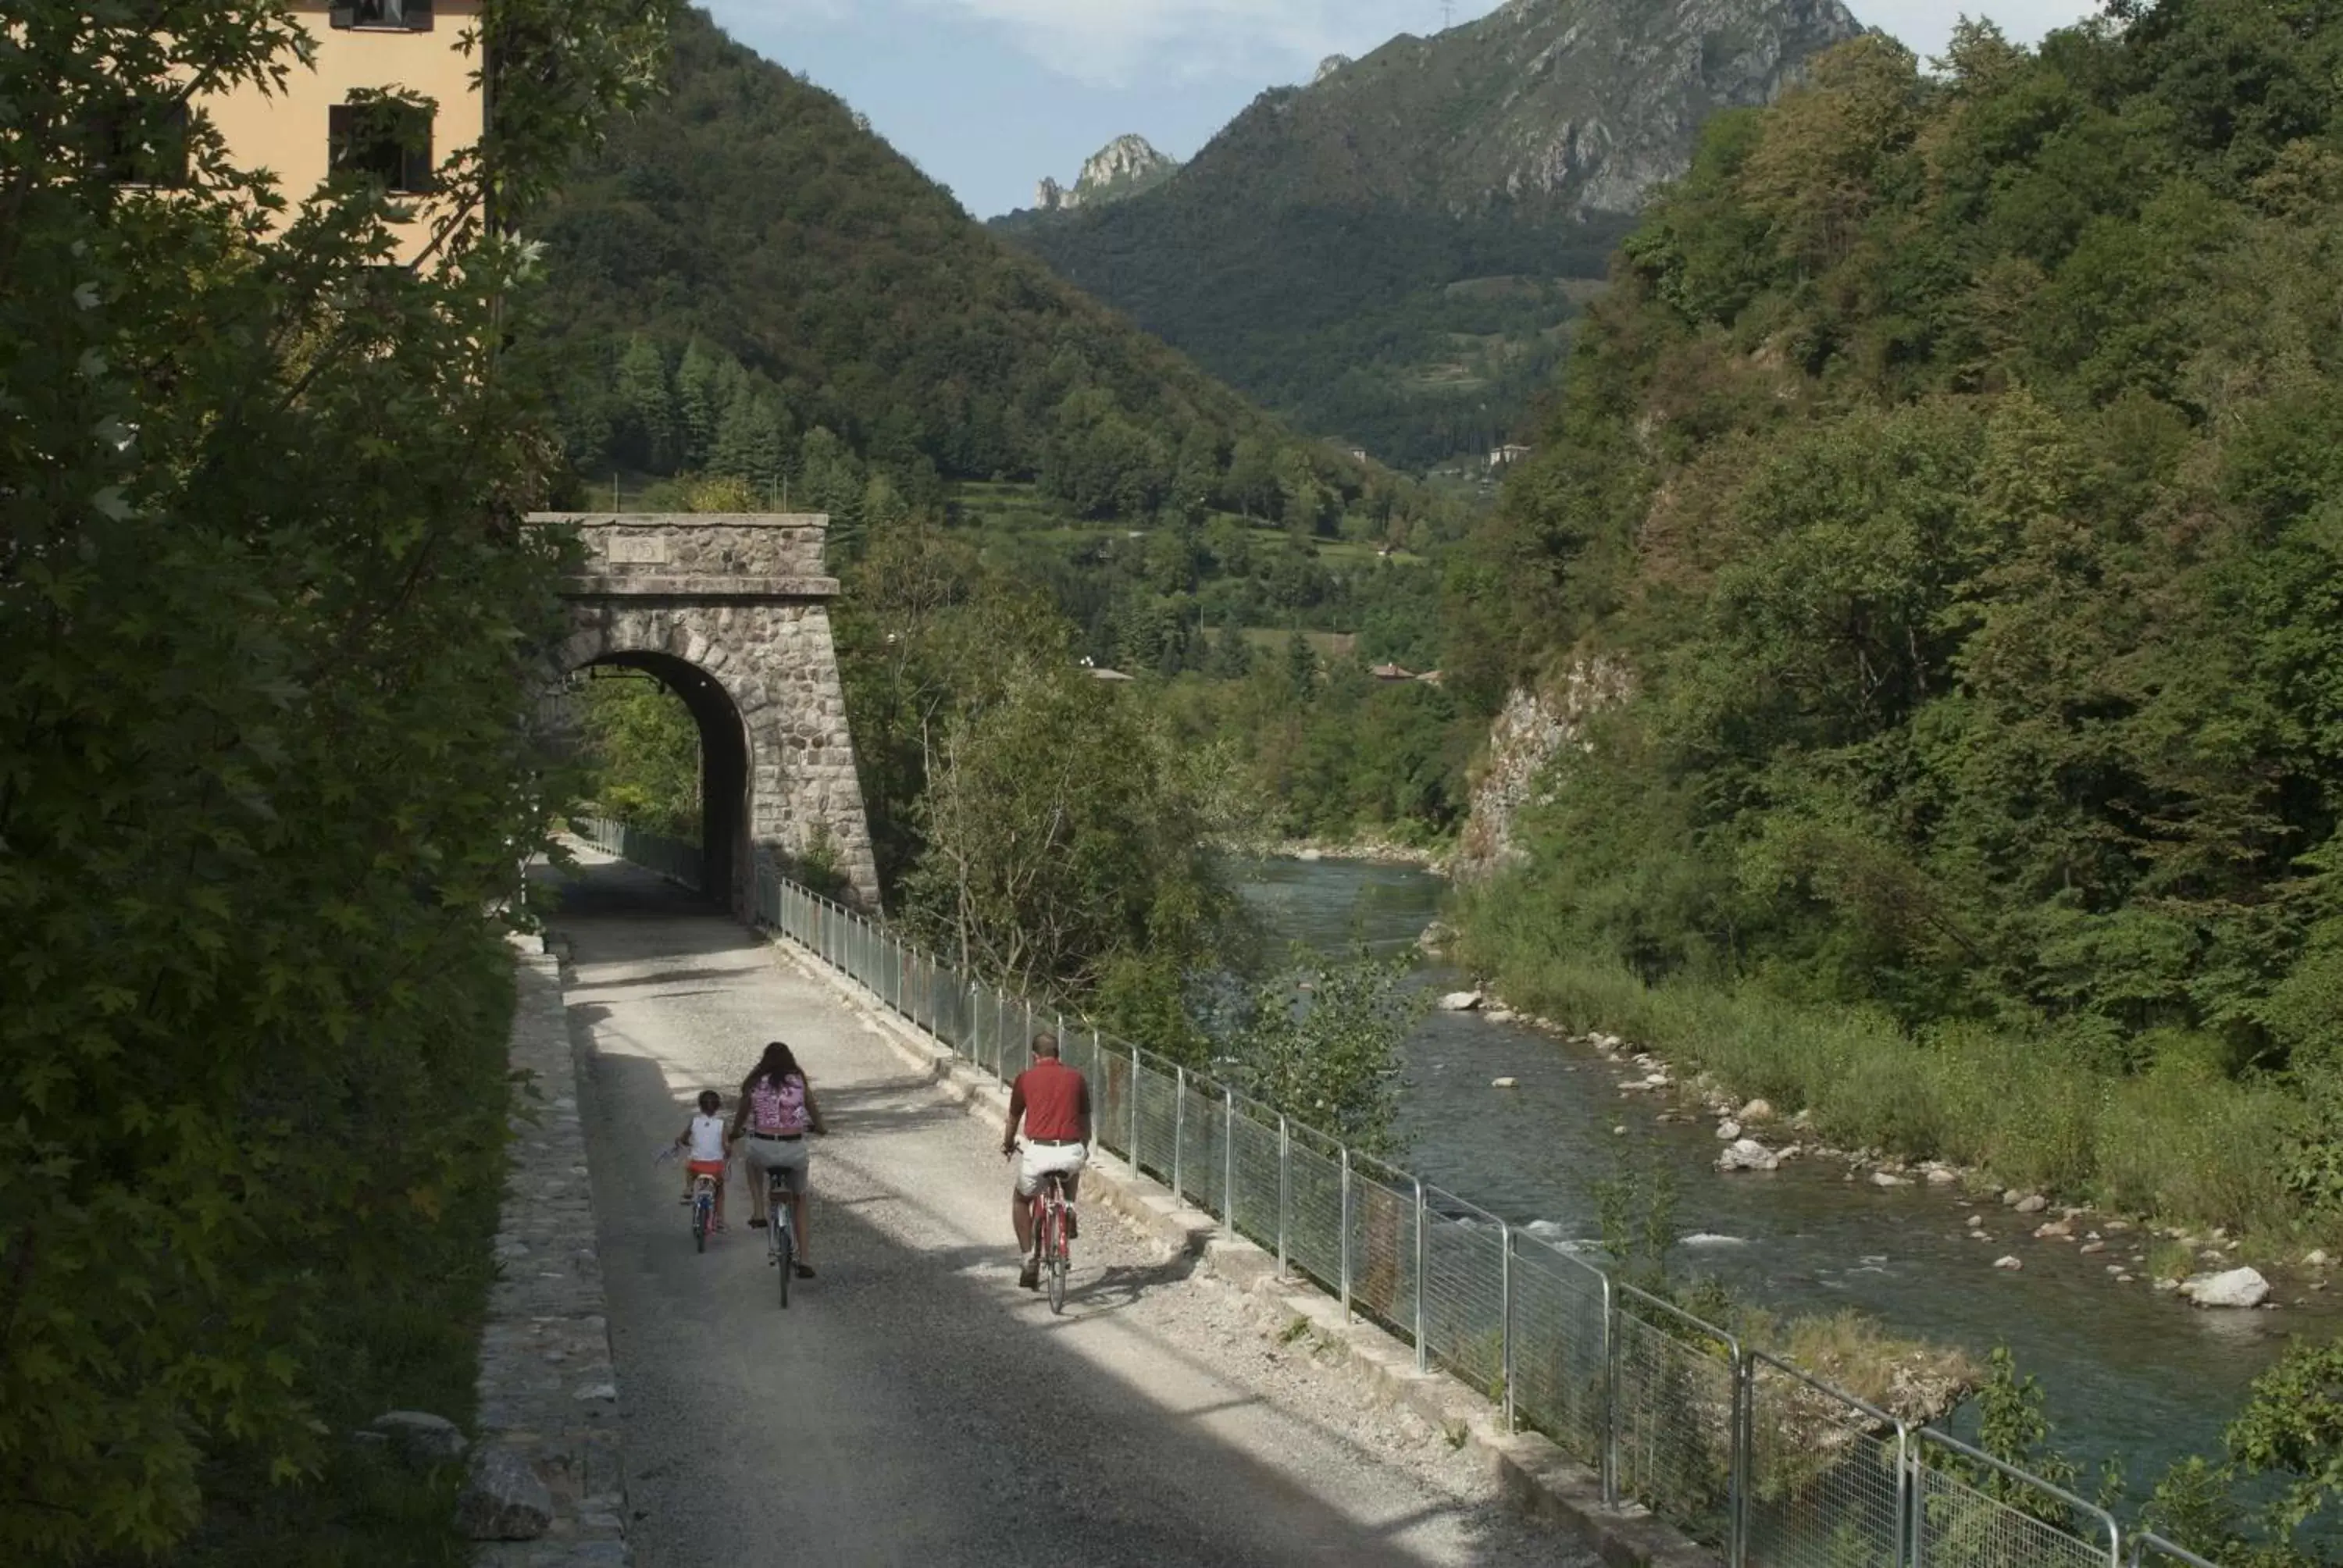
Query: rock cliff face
1125, 167
1533, 729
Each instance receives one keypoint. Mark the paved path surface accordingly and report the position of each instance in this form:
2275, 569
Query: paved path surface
912, 1405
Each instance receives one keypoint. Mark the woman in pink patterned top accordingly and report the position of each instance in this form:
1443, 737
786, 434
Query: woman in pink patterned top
777, 1110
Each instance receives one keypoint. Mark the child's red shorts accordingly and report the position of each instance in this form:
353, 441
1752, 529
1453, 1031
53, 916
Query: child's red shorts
706, 1168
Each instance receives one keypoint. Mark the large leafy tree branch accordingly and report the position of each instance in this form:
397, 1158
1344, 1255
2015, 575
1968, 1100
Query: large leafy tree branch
264, 754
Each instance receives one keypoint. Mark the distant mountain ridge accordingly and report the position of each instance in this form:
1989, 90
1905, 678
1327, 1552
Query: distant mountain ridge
1387, 254
1126, 166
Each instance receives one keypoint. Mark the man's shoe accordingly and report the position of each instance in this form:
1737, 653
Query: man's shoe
1031, 1275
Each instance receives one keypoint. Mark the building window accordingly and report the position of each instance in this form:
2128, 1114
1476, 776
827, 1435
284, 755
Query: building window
384, 15
142, 144
389, 143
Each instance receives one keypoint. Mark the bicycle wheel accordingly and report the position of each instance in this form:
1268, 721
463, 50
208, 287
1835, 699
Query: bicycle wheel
1055, 1251
785, 1250
701, 1205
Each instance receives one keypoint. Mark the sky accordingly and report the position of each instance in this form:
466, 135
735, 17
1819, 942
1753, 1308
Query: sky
990, 95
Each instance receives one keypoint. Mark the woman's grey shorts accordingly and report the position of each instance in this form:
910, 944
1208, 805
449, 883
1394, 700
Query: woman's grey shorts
789, 1156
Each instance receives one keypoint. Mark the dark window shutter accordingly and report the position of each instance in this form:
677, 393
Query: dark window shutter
346, 15
339, 132
415, 168
419, 15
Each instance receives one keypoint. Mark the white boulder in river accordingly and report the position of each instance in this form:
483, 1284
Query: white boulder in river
2234, 1288
1460, 1001
1748, 1154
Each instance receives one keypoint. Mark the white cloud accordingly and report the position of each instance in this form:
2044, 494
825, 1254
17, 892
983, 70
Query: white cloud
1115, 43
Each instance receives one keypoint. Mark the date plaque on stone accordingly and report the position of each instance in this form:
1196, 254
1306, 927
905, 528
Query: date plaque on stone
637, 549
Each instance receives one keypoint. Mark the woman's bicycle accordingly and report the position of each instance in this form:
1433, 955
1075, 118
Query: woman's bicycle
780, 1235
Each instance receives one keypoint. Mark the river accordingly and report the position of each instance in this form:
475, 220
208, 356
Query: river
2127, 1373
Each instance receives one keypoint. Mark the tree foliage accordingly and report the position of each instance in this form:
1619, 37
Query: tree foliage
746, 266
1955, 464
263, 610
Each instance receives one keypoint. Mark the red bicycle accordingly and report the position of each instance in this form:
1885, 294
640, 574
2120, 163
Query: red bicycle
1053, 1235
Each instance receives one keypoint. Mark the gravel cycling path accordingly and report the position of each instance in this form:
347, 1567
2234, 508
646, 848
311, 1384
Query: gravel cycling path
913, 1406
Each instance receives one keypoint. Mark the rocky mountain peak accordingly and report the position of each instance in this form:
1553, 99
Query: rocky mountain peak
1123, 167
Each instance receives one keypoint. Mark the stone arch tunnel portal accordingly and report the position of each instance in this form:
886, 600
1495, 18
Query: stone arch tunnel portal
729, 612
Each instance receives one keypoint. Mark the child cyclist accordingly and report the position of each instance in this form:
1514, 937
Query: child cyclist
707, 1148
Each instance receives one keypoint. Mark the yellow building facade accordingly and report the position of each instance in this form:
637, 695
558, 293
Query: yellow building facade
311, 128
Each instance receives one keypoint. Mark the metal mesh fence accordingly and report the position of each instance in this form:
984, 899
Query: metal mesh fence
1674, 1416
1201, 1168
1740, 1451
1313, 1206
1464, 1296
1382, 1245
1157, 1094
1561, 1350
1253, 1167
1973, 1511
1826, 1475
1110, 1100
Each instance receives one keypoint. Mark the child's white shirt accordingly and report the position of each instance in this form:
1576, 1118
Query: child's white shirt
707, 1137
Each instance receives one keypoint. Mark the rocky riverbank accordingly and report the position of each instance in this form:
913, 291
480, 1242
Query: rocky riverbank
2210, 1268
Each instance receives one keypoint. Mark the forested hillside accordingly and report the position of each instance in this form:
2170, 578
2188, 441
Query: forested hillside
1393, 255
1958, 468
751, 285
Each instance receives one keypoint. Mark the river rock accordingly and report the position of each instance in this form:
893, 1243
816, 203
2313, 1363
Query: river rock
2009, 1197
503, 1500
1505, 1083
2053, 1231
1942, 1175
2012, 1264
2234, 1288
2317, 1259
1887, 1179
419, 1437
2033, 1203
1728, 1129
2091, 1247
1461, 1002
1500, 1015
1748, 1154
1756, 1110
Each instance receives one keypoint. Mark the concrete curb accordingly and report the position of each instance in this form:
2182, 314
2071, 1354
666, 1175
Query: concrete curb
1537, 1476
549, 1390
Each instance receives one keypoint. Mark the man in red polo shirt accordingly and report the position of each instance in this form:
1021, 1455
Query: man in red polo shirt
1054, 1101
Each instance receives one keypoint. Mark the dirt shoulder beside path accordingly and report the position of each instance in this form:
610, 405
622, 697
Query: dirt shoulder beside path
913, 1406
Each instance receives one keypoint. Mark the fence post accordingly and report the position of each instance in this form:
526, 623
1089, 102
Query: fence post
1229, 1159
1133, 1096
1179, 1123
1505, 1320
1745, 1392
1346, 1232
1284, 1185
1905, 1544
1422, 1363
1610, 1395
1919, 1501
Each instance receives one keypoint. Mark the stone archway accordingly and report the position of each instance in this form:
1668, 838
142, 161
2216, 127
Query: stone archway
731, 612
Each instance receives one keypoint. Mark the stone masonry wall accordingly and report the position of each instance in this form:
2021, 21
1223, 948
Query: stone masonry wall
548, 1393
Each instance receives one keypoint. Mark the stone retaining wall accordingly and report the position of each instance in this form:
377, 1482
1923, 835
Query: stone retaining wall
549, 1393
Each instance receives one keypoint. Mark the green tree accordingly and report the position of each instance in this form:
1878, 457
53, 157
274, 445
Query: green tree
1323, 1046
267, 616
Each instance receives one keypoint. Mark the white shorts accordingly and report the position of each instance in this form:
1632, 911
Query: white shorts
789, 1156
1036, 1160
